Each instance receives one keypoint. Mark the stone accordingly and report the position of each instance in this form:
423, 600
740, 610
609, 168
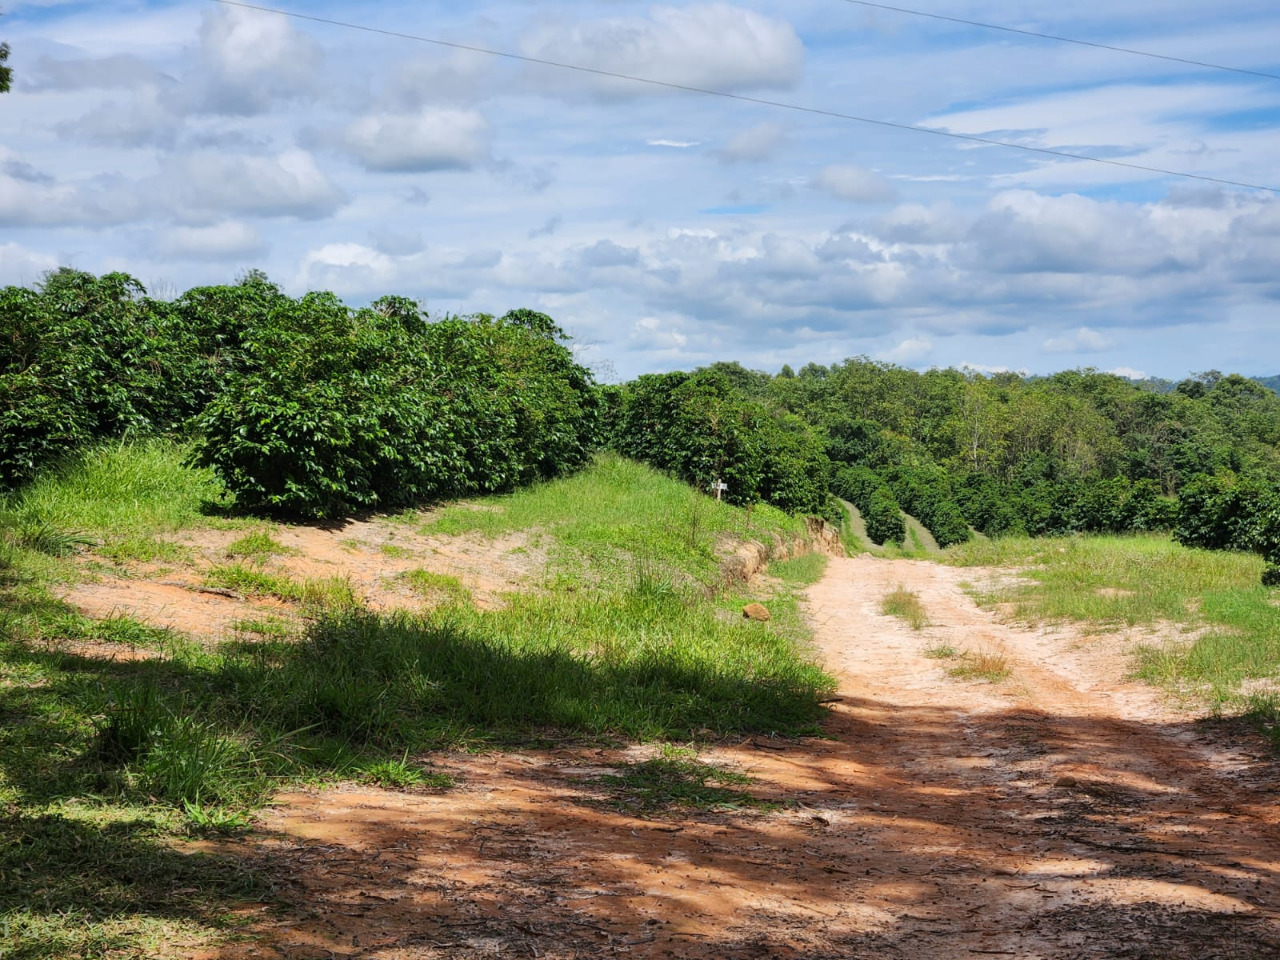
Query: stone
755, 611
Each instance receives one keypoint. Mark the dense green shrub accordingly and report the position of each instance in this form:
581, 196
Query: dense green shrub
84, 358
1230, 512
864, 488
330, 410
883, 517
925, 493
702, 428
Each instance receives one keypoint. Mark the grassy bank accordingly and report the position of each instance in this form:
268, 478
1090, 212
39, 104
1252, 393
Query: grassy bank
1225, 643
108, 767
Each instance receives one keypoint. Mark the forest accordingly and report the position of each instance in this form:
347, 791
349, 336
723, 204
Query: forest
308, 408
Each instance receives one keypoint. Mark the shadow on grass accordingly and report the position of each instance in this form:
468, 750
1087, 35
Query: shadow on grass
66, 884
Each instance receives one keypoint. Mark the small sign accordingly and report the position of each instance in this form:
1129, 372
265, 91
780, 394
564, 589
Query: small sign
720, 488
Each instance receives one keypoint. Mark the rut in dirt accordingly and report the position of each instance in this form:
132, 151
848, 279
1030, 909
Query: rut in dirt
1062, 813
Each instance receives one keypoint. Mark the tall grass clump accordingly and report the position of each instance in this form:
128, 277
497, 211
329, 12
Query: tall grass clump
905, 604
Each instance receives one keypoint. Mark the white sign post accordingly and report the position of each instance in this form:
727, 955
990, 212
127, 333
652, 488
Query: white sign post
720, 488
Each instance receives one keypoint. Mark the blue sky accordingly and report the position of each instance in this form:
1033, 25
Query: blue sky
186, 142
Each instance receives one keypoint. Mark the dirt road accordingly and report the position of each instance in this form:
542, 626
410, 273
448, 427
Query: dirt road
1062, 813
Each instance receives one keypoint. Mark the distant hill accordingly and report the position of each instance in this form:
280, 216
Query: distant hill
1271, 383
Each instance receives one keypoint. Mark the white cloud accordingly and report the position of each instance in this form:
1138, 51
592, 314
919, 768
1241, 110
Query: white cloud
753, 145
1083, 340
909, 350
677, 144
854, 184
346, 267
19, 265
431, 139
230, 240
715, 45
287, 185
254, 58
1129, 373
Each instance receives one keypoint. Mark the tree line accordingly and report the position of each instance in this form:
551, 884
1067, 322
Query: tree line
307, 407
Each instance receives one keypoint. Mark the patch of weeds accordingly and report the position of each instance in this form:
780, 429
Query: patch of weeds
328, 595
941, 651
252, 581
143, 549
987, 666
50, 539
800, 571
395, 551
259, 545
676, 779
400, 774
127, 631
214, 821
1264, 711
905, 604
273, 627
439, 588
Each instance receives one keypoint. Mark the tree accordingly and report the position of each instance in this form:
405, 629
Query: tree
6, 73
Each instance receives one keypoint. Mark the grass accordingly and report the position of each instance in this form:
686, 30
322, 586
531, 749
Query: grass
905, 604
108, 767
1228, 626
941, 651
617, 512
259, 546
314, 594
676, 780
981, 665
439, 588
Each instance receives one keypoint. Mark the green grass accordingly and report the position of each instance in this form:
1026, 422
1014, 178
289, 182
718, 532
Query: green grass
941, 651
623, 642
259, 545
801, 571
1148, 580
676, 780
435, 587
905, 604
122, 490
617, 511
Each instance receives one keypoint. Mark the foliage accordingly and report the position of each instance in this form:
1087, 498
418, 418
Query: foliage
334, 410
6, 73
704, 429
1229, 512
875, 500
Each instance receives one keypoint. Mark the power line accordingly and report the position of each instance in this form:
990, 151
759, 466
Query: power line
1051, 36
743, 98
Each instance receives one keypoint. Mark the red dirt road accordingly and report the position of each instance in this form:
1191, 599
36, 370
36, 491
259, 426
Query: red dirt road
1062, 813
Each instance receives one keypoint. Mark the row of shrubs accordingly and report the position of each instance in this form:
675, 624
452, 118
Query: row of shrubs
702, 428
1229, 512
874, 499
304, 407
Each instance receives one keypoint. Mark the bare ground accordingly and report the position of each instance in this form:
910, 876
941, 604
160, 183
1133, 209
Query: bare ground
1063, 813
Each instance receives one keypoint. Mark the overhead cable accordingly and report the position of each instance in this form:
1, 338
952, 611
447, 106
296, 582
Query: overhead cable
1051, 36
744, 98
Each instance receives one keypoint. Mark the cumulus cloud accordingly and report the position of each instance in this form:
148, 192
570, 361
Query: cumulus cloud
31, 200
431, 139
1083, 340
20, 266
251, 59
230, 240
1129, 373
286, 185
90, 73
714, 45
909, 350
854, 184
753, 145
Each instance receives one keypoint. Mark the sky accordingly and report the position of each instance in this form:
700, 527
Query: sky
187, 142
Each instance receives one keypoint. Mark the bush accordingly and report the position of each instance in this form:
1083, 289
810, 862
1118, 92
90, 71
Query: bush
84, 358
862, 487
702, 428
883, 517
925, 493
331, 410
1226, 511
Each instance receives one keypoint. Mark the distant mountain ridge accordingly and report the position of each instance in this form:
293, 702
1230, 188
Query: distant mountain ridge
1271, 383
